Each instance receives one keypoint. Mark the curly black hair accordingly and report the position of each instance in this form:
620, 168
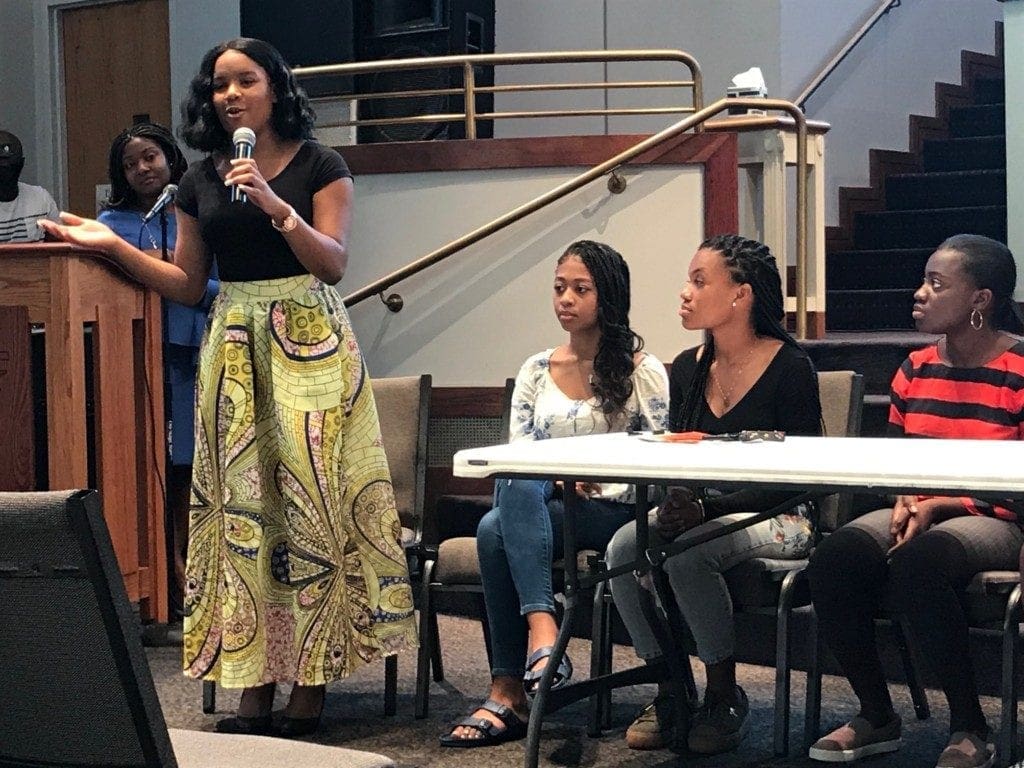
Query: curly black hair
291, 117
613, 364
121, 193
750, 262
990, 265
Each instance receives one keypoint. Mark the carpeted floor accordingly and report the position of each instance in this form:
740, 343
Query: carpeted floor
354, 714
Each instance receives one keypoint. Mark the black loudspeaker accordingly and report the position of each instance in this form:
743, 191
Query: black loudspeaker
308, 33
77, 689
391, 29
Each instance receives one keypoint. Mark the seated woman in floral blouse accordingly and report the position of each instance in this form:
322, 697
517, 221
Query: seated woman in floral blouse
599, 381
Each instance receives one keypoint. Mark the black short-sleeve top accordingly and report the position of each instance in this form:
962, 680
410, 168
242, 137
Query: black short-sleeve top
239, 235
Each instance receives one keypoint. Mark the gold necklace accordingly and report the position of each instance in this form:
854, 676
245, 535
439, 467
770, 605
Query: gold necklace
727, 395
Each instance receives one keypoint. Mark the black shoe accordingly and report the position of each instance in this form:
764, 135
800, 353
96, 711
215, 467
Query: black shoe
511, 729
294, 727
531, 678
719, 725
249, 726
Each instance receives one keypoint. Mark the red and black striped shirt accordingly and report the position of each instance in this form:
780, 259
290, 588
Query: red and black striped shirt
932, 399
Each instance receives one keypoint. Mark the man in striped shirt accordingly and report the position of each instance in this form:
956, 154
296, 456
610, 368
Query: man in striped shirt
21, 205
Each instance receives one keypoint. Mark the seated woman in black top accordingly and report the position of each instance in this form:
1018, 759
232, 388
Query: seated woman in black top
749, 374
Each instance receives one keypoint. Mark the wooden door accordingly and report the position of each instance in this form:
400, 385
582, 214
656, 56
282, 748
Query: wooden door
116, 72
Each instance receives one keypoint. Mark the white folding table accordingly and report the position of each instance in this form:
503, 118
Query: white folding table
822, 465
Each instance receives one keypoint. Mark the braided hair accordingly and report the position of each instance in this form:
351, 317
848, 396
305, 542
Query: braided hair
613, 363
750, 262
121, 193
990, 265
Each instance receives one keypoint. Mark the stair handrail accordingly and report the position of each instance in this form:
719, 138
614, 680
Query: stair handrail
692, 121
883, 7
469, 89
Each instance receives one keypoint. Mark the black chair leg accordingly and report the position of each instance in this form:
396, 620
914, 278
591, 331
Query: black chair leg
606, 654
599, 617
782, 670
427, 642
917, 694
435, 658
390, 685
812, 706
1007, 747
209, 697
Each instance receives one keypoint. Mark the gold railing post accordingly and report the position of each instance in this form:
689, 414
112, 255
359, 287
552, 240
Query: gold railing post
469, 94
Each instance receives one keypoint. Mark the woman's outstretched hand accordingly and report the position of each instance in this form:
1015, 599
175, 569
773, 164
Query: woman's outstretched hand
88, 233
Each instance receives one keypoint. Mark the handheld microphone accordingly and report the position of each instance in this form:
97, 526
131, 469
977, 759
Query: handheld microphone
165, 199
244, 140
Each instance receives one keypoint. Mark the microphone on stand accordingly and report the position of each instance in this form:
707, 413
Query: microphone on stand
165, 199
244, 140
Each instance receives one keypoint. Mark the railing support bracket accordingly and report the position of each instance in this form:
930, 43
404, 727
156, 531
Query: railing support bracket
616, 182
393, 302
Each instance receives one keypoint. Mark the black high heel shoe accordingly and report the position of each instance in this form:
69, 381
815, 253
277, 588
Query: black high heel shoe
248, 726
294, 727
251, 725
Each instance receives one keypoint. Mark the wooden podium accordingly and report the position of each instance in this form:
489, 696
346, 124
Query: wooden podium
65, 289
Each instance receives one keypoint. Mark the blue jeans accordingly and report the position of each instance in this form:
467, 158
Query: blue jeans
517, 542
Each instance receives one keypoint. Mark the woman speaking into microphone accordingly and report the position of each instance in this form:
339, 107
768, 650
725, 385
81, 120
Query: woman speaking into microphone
295, 573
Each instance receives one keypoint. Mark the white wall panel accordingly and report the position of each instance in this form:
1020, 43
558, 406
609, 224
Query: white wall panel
473, 320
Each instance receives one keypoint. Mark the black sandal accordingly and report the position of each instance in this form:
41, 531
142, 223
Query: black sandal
531, 679
491, 734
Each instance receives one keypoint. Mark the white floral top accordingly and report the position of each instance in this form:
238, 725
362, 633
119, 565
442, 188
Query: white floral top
540, 410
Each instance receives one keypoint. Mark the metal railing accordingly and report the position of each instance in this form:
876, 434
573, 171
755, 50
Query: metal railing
698, 118
884, 6
470, 64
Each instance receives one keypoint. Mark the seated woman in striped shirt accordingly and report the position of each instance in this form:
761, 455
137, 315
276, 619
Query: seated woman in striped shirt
969, 384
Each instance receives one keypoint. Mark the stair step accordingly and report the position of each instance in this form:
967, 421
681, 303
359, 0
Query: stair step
896, 268
975, 153
877, 356
977, 120
989, 90
870, 309
945, 190
879, 230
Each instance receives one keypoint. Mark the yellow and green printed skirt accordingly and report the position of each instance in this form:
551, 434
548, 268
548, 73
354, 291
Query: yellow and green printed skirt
295, 571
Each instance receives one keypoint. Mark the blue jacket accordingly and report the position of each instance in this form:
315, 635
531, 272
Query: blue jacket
185, 325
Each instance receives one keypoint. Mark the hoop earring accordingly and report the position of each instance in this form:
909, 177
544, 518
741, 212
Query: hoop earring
977, 320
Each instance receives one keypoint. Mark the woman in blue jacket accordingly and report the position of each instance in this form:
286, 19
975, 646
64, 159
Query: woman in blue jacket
143, 160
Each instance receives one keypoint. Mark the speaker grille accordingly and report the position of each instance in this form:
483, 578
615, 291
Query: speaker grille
455, 433
409, 80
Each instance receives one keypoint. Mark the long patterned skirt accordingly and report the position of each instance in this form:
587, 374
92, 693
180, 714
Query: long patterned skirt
295, 571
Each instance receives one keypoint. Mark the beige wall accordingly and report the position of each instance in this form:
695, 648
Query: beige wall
473, 320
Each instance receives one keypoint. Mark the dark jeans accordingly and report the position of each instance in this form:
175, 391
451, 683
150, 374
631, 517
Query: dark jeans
851, 574
517, 542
